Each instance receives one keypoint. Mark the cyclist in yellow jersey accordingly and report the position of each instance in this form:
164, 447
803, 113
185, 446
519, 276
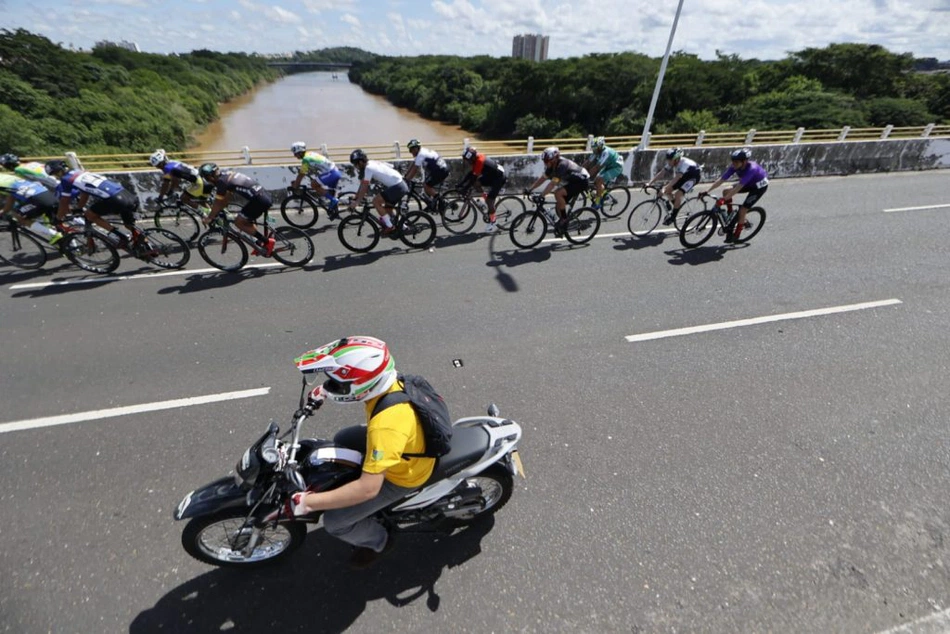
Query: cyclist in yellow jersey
361, 370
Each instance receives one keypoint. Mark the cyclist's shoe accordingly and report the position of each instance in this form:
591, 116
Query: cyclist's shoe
730, 237
266, 249
389, 232
669, 219
56, 237
560, 227
491, 227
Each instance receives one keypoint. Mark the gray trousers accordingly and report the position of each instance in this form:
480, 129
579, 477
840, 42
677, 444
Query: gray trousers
354, 524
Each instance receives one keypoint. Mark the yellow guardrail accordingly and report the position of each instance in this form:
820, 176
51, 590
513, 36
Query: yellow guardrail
511, 147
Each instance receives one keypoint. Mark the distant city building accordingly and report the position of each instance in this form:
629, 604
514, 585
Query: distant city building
129, 46
530, 46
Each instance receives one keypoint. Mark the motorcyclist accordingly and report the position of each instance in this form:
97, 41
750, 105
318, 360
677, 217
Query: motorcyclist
361, 370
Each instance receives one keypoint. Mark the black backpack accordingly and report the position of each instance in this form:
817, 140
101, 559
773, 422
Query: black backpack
432, 411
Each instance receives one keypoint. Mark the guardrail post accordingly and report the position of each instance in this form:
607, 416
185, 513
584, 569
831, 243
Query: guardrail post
927, 130
799, 133
530, 145
73, 160
886, 132
324, 150
750, 136
465, 144
590, 142
396, 149
700, 138
844, 133
246, 151
644, 141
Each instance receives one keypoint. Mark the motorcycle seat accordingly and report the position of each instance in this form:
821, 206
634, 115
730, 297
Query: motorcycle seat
468, 446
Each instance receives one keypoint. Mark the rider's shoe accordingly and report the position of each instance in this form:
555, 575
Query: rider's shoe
730, 237
389, 232
560, 227
56, 237
266, 249
491, 227
669, 219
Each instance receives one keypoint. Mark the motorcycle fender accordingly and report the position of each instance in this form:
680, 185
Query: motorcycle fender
211, 498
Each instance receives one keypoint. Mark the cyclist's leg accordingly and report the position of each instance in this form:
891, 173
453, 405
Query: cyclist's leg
246, 218
29, 213
751, 199
492, 196
99, 207
328, 183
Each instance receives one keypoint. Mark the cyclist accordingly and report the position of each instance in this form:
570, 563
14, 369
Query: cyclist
257, 200
484, 173
361, 370
173, 173
386, 175
753, 180
436, 171
605, 165
323, 173
108, 197
686, 174
26, 201
32, 171
568, 177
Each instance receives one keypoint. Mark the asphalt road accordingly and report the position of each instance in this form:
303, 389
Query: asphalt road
790, 476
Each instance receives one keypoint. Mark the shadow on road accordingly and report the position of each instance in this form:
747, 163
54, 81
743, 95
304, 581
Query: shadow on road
700, 255
339, 262
631, 243
316, 591
210, 281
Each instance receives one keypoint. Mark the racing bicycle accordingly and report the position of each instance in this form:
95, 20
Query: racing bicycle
182, 219
701, 226
616, 199
645, 216
462, 208
25, 249
301, 208
360, 231
224, 246
529, 228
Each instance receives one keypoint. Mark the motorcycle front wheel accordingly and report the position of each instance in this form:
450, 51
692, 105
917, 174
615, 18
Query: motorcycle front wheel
218, 540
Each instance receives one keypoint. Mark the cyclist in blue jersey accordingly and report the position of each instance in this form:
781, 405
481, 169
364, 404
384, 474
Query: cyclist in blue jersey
107, 197
175, 172
429, 161
753, 180
605, 165
324, 174
26, 201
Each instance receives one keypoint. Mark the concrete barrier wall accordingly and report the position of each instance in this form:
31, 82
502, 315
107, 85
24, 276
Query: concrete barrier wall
781, 161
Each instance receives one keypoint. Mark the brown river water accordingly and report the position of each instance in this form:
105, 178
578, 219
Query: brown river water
316, 109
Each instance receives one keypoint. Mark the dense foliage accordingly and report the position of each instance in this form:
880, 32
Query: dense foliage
112, 99
842, 84
346, 54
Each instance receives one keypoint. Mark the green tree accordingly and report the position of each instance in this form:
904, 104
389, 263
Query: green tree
896, 111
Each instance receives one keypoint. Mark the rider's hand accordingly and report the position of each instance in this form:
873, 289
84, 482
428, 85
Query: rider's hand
526, 192
296, 504
317, 396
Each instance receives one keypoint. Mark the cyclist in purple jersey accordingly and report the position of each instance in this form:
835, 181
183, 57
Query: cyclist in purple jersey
753, 180
228, 183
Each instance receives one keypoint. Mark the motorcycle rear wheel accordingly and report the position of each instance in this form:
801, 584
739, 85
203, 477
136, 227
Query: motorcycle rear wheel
210, 539
497, 486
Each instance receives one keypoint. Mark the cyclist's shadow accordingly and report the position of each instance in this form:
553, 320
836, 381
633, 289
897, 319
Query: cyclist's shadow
316, 591
700, 255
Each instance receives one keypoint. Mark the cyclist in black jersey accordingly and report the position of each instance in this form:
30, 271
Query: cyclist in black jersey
226, 185
570, 179
486, 174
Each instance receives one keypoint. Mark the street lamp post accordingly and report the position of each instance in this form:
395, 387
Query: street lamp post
645, 137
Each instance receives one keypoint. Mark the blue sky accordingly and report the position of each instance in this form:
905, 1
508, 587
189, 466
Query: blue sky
764, 29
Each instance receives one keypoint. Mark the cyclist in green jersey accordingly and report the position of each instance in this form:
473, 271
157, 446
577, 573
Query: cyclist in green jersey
605, 165
31, 171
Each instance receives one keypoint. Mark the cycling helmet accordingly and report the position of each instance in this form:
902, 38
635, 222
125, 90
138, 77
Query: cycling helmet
157, 158
413, 144
674, 154
469, 153
550, 154
598, 144
740, 155
56, 166
208, 170
9, 161
359, 368
357, 155
298, 147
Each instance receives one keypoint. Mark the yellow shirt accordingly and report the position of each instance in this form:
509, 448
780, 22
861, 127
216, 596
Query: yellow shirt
389, 434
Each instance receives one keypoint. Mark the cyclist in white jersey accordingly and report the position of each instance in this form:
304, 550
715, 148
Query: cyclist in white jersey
394, 187
686, 174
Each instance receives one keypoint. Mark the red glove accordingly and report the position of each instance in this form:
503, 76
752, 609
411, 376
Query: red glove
317, 396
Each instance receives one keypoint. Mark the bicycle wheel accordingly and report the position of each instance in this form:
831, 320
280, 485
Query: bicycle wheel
528, 229
163, 248
615, 202
222, 251
644, 218
358, 233
292, 246
184, 223
754, 219
299, 211
21, 250
91, 252
507, 208
689, 207
411, 203
698, 228
417, 230
582, 225
459, 215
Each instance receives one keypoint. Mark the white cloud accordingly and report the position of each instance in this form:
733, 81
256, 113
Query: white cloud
279, 14
350, 19
235, 15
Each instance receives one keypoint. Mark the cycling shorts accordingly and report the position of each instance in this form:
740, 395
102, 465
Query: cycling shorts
392, 195
493, 185
255, 207
610, 175
329, 179
755, 193
575, 186
688, 180
435, 177
38, 205
124, 204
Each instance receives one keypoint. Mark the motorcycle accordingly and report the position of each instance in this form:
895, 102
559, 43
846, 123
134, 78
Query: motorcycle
243, 520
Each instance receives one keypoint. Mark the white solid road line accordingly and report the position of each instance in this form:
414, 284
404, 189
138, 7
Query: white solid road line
887, 211
137, 276
67, 419
936, 623
760, 320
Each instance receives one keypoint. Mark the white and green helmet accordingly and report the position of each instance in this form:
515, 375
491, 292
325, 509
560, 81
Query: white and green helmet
359, 368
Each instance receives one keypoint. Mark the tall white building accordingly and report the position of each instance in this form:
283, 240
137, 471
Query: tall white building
530, 46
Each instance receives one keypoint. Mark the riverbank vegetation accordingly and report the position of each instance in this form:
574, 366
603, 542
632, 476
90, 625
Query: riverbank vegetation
112, 100
843, 84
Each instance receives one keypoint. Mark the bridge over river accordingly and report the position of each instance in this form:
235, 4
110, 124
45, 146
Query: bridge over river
307, 66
